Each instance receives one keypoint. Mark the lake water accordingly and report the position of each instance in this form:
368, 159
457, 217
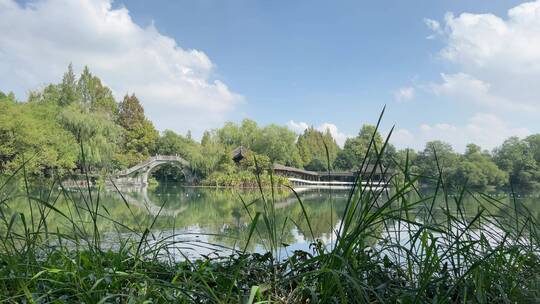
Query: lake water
204, 221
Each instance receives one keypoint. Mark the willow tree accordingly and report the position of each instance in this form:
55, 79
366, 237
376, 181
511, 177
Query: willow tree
96, 134
30, 134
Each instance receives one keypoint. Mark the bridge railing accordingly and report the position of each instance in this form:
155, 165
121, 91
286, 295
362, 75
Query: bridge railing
149, 161
367, 183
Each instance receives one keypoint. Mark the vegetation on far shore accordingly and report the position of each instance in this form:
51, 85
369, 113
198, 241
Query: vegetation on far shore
46, 132
386, 247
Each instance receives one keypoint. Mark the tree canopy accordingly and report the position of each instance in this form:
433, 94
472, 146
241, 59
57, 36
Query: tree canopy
54, 125
313, 146
138, 133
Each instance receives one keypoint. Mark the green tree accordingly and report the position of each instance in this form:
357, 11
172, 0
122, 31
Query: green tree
29, 132
229, 135
312, 146
516, 157
50, 94
405, 159
234, 135
68, 88
355, 149
93, 131
276, 142
206, 138
533, 141
249, 130
171, 143
131, 113
484, 160
477, 169
279, 144
9, 98
262, 164
437, 155
209, 155
95, 95
139, 134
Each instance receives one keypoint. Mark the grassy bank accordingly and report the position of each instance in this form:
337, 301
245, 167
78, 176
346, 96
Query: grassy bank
386, 248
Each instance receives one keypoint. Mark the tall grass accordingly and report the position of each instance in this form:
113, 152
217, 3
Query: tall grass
394, 245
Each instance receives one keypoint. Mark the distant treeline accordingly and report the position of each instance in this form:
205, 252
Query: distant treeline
77, 124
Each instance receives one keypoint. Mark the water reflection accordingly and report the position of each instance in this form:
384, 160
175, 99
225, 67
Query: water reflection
205, 220
218, 216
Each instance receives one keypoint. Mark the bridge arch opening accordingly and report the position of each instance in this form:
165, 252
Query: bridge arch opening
140, 173
169, 173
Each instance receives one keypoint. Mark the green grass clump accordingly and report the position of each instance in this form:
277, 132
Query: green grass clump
390, 246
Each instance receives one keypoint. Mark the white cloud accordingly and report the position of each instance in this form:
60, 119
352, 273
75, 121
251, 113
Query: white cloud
175, 85
340, 137
486, 40
499, 58
433, 25
495, 63
404, 94
466, 88
485, 129
297, 127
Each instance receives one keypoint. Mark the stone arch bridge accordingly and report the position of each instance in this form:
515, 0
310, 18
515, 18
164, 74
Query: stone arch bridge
138, 175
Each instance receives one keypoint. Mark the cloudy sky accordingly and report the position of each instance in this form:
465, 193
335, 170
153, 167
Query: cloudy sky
457, 70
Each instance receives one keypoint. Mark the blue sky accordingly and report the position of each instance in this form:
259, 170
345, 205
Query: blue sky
322, 63
315, 61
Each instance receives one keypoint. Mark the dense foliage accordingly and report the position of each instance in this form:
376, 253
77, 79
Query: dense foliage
55, 124
317, 149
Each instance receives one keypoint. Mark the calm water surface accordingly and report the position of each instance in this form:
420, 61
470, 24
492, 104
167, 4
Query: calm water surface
195, 221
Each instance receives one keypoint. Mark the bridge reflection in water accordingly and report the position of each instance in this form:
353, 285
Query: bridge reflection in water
137, 196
